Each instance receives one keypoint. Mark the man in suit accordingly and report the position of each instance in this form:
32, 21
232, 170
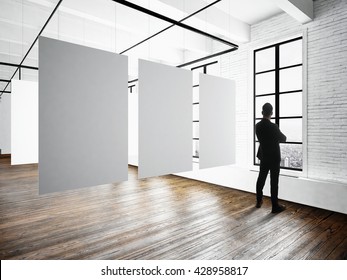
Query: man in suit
269, 136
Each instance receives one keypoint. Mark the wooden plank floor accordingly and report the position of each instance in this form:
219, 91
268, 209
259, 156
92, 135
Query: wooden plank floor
166, 217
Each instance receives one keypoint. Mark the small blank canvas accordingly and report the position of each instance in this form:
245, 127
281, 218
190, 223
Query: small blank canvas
165, 119
217, 121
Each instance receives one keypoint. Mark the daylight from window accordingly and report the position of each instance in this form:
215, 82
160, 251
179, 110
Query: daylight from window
278, 80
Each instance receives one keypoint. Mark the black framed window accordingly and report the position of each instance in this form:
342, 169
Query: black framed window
277, 76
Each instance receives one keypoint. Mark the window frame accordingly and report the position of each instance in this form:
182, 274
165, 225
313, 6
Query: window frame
277, 94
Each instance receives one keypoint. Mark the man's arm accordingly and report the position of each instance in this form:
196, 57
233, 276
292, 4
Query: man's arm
281, 137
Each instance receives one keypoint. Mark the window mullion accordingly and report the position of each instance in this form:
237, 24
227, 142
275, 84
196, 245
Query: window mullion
277, 84
254, 102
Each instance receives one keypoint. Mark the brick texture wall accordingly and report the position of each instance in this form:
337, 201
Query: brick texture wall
326, 86
327, 91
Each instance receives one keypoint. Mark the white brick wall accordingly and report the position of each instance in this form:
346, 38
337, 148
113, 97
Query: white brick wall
235, 67
326, 90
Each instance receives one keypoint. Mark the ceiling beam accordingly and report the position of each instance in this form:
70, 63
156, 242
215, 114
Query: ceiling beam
172, 25
301, 10
215, 20
175, 22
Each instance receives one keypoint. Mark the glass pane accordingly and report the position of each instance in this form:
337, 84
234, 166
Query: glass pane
291, 104
255, 135
260, 101
71, 29
291, 53
265, 60
256, 160
196, 130
196, 73
291, 155
6, 72
195, 148
196, 112
195, 94
291, 79
3, 85
292, 128
213, 69
30, 75
97, 35
265, 83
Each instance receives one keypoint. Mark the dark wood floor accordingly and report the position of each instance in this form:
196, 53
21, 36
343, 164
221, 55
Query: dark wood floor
165, 217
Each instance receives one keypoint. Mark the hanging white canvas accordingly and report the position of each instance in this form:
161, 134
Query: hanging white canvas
83, 114
165, 119
5, 123
24, 122
133, 130
217, 121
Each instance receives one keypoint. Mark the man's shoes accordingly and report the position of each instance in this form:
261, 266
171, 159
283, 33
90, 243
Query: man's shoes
278, 209
259, 204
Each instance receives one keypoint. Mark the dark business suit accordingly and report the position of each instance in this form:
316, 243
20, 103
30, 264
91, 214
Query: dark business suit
269, 136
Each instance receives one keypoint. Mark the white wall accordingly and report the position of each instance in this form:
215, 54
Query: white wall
324, 182
327, 91
321, 194
5, 123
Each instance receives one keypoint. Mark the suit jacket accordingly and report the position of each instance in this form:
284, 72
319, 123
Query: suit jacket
269, 137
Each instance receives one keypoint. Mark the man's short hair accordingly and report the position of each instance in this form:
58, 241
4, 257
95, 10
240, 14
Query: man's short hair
267, 110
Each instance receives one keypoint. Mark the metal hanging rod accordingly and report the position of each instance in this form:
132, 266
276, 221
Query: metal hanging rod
174, 22
19, 65
204, 65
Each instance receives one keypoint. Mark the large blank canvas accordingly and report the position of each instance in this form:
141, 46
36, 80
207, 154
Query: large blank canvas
165, 119
83, 114
24, 122
217, 121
